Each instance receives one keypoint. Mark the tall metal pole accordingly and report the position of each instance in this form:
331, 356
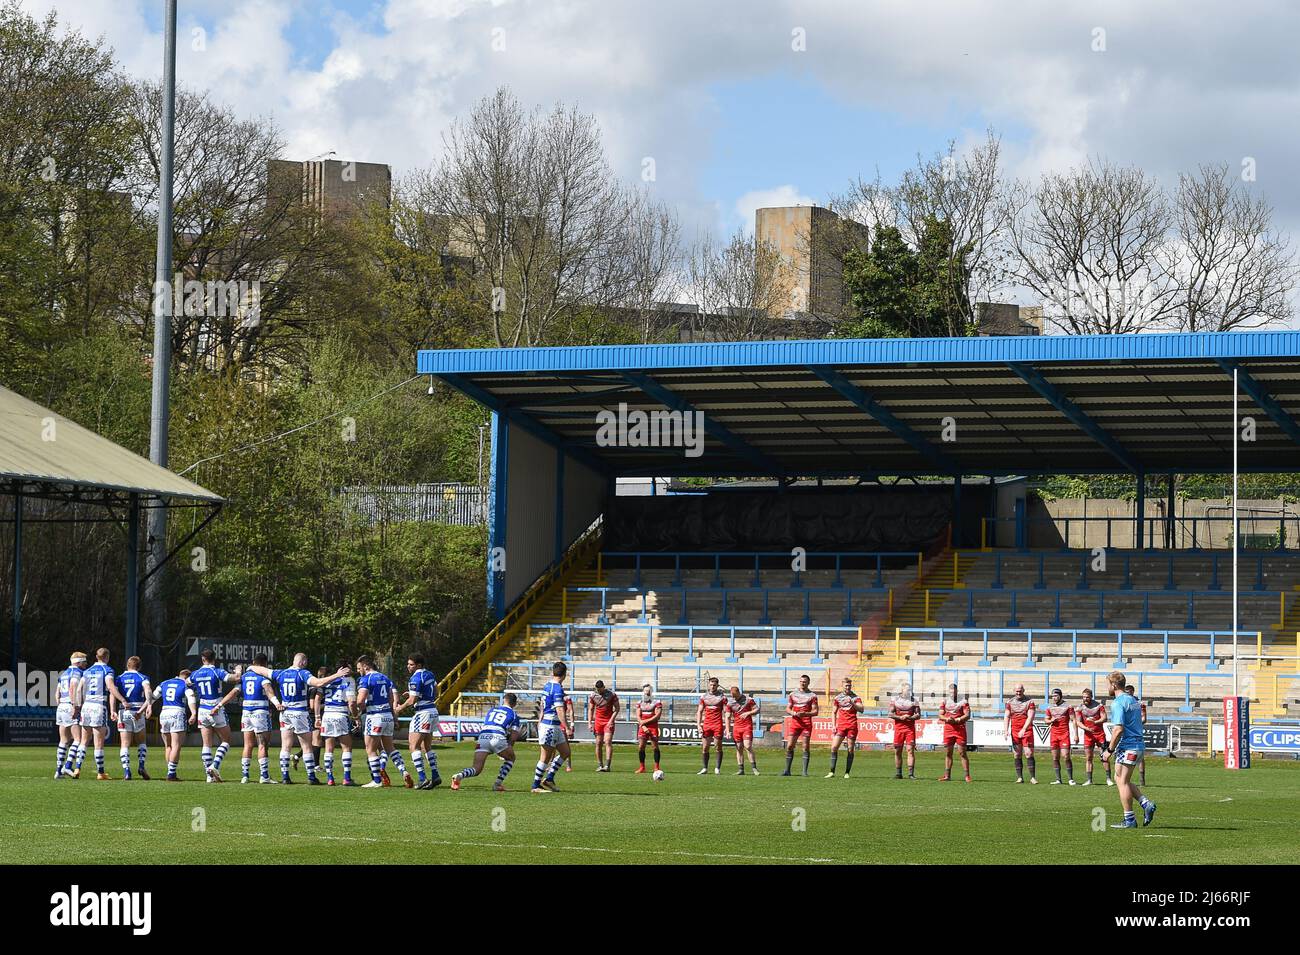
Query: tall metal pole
133, 577
1235, 535
162, 331
18, 581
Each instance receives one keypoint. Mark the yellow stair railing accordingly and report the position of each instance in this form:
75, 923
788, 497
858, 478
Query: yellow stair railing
517, 616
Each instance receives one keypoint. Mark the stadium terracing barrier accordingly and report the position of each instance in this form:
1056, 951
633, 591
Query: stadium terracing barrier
579, 554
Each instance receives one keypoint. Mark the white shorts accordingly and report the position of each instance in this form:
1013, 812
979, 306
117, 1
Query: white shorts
551, 735
494, 744
212, 720
335, 723
63, 716
94, 715
379, 724
1128, 757
423, 720
129, 720
296, 721
172, 720
255, 721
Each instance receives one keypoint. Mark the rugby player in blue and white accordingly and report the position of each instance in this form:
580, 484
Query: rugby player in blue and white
376, 698
135, 708
552, 731
257, 696
336, 707
1128, 746
67, 716
209, 685
422, 691
100, 687
179, 709
501, 730
295, 719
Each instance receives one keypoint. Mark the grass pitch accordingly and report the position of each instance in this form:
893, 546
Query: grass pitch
1206, 815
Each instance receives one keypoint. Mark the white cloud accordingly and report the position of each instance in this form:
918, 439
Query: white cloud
786, 195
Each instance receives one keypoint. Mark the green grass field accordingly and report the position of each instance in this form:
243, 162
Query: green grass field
1207, 815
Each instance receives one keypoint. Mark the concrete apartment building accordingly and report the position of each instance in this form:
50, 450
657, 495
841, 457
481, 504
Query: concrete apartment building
810, 241
331, 187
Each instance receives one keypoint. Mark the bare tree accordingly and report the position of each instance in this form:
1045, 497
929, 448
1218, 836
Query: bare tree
962, 189
652, 252
531, 200
1232, 269
740, 286
1091, 244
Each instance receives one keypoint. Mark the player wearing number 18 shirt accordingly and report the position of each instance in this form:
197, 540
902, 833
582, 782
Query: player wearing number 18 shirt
501, 730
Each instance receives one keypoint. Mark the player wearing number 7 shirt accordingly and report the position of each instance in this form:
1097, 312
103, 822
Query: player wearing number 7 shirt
954, 714
905, 710
801, 707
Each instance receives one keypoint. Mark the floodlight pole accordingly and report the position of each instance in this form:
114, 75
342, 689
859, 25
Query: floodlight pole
163, 296
1235, 535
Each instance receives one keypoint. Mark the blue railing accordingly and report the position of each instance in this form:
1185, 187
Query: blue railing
1211, 638
785, 558
1189, 596
724, 617
1279, 531
1086, 558
729, 632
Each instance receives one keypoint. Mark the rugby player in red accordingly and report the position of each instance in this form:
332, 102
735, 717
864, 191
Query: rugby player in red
1018, 723
648, 711
846, 706
904, 709
1060, 716
1090, 717
739, 713
801, 707
954, 714
1142, 759
602, 712
708, 719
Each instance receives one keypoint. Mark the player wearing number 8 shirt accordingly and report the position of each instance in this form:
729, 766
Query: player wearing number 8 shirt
801, 707
847, 705
954, 714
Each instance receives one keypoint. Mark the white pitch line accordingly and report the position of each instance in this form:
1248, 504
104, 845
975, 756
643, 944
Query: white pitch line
478, 845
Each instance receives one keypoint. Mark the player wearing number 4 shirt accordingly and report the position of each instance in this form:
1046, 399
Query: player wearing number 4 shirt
1060, 717
740, 712
1018, 723
709, 720
1090, 717
847, 705
801, 707
905, 710
954, 714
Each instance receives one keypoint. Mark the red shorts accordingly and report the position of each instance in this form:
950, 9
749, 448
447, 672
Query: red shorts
954, 734
1060, 739
739, 732
649, 731
904, 733
1027, 741
711, 732
799, 725
848, 732
601, 727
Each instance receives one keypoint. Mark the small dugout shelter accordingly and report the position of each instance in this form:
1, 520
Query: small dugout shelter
1140, 405
49, 458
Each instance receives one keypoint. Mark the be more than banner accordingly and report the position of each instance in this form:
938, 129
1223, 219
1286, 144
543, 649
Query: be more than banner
879, 730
